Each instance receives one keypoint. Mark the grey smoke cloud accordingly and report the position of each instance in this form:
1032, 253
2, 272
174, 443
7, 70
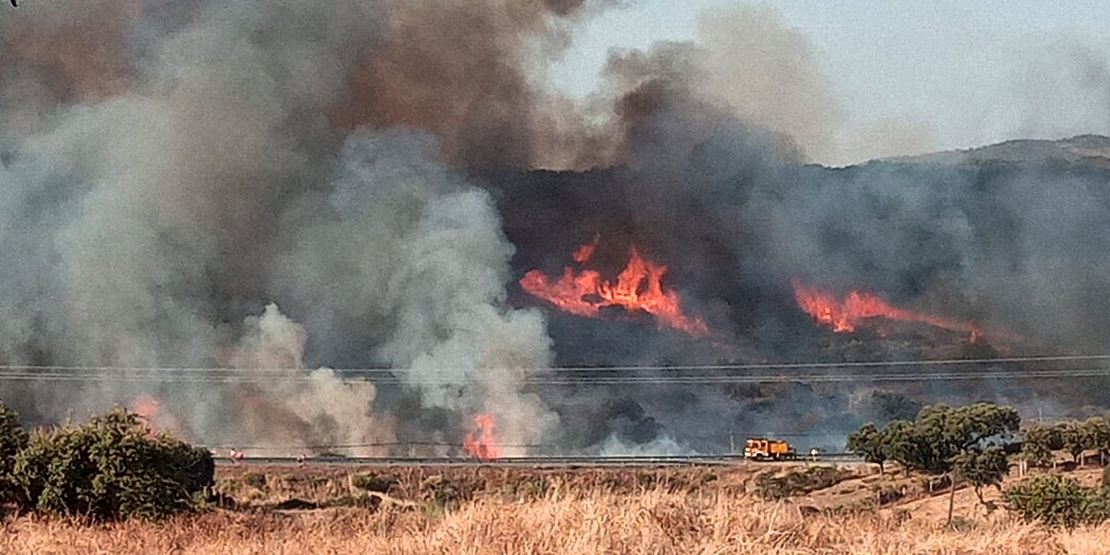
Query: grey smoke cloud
416, 248
157, 225
1062, 89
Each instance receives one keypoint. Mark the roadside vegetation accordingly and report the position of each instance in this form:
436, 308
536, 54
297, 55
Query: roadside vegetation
595, 523
113, 485
109, 468
978, 446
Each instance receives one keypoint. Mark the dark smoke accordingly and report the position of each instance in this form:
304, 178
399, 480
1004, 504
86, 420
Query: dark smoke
157, 215
385, 171
729, 207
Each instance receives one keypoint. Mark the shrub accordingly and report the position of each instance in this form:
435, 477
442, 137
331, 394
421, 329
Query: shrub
380, 483
769, 486
1057, 501
531, 489
888, 495
255, 480
440, 495
111, 468
13, 438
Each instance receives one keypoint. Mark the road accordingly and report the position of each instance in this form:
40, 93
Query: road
531, 462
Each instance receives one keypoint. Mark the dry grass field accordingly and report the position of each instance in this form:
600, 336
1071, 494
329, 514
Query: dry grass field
686, 511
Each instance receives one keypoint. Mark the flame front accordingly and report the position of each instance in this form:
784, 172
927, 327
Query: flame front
638, 287
859, 306
481, 443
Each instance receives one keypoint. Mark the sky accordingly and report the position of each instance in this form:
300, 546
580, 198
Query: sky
942, 74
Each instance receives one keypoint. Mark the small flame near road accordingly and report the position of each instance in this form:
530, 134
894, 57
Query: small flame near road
481, 443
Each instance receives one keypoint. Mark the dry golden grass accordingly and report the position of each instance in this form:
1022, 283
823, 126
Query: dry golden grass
654, 522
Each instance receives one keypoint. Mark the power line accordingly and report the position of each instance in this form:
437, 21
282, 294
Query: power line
168, 377
830, 372
632, 368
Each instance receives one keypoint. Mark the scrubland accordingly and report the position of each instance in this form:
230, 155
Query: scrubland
488, 510
655, 521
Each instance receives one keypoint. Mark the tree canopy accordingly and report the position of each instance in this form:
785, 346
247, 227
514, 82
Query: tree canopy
870, 443
964, 443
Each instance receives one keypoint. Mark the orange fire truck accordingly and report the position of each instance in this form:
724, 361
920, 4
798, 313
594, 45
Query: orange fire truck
764, 449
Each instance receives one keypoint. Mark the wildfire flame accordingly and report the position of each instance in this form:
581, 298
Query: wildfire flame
859, 306
481, 443
147, 407
638, 287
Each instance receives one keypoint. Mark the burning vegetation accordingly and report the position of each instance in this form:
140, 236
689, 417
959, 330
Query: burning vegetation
862, 308
481, 443
638, 287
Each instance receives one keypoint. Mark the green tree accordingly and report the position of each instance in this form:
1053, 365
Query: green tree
1097, 433
870, 443
13, 438
1073, 438
942, 435
983, 468
1038, 443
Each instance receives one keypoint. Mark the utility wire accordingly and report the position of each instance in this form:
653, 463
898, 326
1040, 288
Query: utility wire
759, 366
246, 378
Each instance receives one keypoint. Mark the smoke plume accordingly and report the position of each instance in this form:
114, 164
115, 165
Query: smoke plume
385, 171
195, 178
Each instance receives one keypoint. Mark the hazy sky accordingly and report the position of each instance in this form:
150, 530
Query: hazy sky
941, 74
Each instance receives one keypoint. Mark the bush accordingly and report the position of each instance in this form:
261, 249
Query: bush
769, 486
888, 495
380, 483
255, 480
13, 438
1057, 501
111, 468
440, 495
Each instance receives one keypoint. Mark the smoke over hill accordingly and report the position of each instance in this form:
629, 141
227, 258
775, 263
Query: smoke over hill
214, 203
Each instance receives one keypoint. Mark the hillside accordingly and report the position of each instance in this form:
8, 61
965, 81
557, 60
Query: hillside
1093, 150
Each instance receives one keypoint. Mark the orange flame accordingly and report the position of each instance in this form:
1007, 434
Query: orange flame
638, 287
585, 252
147, 407
858, 306
481, 442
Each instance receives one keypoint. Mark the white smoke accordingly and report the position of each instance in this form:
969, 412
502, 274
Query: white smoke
292, 412
155, 215
659, 447
414, 245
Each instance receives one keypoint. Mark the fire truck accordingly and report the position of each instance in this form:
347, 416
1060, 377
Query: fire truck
765, 449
